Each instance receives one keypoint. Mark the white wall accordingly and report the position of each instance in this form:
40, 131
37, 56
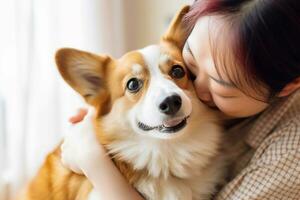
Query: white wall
145, 21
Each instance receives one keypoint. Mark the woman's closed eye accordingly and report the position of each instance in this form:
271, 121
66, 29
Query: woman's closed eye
223, 91
223, 83
225, 96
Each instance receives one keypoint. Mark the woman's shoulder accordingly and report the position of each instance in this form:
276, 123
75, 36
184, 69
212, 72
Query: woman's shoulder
292, 115
271, 169
269, 164
287, 132
284, 138
278, 131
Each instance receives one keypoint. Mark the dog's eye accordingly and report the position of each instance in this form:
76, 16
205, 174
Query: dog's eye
134, 85
177, 72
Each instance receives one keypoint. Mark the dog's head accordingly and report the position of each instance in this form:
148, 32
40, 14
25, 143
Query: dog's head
147, 91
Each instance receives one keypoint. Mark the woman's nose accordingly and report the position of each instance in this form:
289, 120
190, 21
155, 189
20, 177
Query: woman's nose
206, 97
202, 89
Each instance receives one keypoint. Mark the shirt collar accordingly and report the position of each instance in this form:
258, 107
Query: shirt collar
266, 121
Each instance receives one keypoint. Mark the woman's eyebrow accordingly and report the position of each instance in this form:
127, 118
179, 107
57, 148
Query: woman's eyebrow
222, 82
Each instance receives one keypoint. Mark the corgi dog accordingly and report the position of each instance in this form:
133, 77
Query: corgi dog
165, 141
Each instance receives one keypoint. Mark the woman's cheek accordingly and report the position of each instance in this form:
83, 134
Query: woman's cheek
239, 107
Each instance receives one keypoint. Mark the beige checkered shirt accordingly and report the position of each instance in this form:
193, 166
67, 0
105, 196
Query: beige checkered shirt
267, 157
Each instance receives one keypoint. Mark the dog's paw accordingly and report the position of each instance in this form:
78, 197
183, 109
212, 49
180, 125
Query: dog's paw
80, 146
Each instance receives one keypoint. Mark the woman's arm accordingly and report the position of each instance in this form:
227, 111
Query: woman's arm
83, 154
108, 182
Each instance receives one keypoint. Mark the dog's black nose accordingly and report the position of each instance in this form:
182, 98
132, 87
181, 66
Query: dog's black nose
170, 105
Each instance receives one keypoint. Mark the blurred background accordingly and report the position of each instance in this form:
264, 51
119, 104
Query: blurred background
35, 103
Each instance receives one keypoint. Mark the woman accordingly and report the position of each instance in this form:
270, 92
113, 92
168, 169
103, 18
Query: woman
245, 57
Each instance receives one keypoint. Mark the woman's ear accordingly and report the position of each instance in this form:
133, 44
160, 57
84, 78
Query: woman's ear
290, 88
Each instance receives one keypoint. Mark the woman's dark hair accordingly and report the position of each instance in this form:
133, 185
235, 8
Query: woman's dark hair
263, 37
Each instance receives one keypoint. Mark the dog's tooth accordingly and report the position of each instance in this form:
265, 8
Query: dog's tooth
144, 126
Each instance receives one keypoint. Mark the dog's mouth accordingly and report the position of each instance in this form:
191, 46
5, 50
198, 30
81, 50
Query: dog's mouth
170, 126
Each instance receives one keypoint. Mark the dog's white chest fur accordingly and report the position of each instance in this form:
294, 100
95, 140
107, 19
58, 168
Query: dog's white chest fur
186, 169
195, 188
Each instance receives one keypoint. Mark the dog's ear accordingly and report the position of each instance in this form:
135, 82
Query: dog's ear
177, 33
85, 72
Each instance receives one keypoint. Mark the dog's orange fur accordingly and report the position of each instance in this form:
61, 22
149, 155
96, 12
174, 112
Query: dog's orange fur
54, 181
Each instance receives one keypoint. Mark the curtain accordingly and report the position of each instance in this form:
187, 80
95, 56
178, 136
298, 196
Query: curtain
36, 103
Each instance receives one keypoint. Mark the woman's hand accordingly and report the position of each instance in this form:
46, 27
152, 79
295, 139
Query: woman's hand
82, 153
82, 112
80, 147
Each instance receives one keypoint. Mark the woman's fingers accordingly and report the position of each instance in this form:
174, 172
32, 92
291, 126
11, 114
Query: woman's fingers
79, 116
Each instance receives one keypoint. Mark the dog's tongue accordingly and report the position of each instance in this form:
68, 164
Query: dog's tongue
172, 122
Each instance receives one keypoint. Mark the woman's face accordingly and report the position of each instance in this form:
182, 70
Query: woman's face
210, 87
